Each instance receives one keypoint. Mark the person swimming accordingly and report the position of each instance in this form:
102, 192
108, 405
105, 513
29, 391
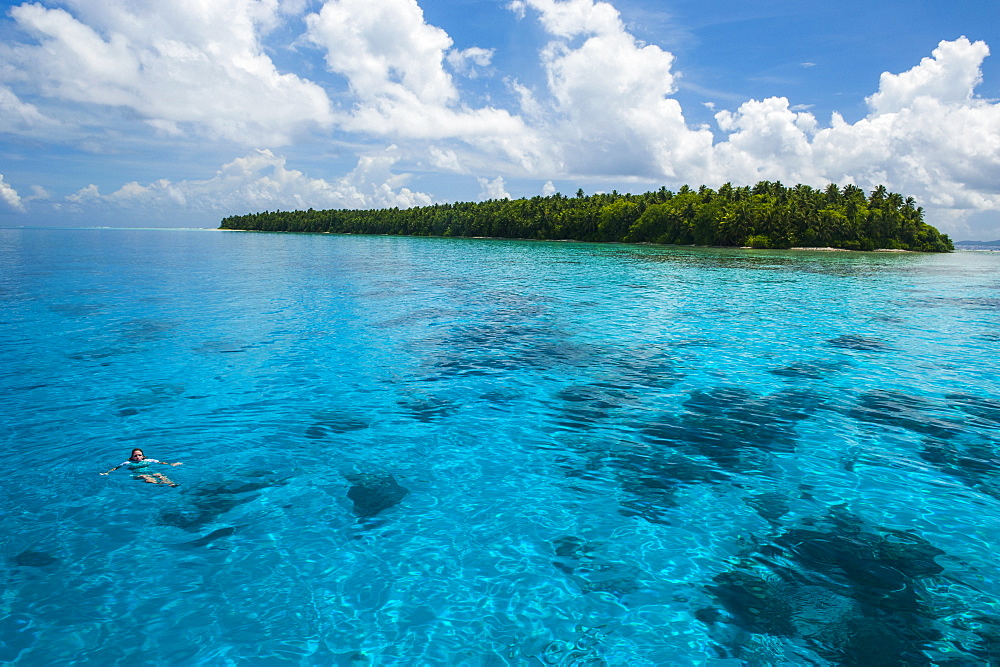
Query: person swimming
139, 465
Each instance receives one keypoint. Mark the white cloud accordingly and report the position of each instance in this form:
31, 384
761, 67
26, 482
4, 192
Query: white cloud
548, 189
571, 18
519, 7
10, 201
18, 117
385, 49
196, 63
87, 194
467, 61
394, 64
259, 181
37, 193
768, 141
531, 108
611, 110
495, 189
949, 76
445, 159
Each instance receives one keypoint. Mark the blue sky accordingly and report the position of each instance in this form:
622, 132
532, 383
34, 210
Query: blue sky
146, 113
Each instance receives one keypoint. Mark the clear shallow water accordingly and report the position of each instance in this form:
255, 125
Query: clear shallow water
446, 451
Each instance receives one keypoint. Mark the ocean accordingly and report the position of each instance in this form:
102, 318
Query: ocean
424, 451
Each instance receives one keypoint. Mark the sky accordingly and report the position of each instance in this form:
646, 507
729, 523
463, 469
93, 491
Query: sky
145, 113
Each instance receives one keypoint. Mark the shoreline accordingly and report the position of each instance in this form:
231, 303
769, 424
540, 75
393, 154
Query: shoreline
640, 243
828, 249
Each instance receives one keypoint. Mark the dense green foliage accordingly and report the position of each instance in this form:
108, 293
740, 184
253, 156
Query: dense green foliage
767, 215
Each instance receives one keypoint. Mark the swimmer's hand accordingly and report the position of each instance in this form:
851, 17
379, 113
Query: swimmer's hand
177, 464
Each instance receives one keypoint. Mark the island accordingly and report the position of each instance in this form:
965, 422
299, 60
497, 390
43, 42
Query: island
766, 215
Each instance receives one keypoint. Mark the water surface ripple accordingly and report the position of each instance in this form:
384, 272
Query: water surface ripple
480, 452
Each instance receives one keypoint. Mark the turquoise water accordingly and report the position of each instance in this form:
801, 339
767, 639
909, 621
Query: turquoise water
479, 452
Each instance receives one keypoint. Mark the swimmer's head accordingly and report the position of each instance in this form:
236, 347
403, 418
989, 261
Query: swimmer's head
137, 455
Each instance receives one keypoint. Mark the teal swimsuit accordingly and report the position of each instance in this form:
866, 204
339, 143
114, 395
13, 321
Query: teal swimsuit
138, 468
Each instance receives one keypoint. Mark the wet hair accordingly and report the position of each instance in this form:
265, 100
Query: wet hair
136, 450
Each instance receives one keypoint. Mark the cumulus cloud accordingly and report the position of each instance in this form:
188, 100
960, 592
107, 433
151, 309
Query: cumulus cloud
445, 159
469, 60
495, 189
385, 49
10, 201
572, 18
259, 181
768, 141
191, 63
611, 107
950, 75
394, 61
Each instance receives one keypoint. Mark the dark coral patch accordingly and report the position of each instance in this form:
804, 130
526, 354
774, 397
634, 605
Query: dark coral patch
207, 503
427, 409
893, 408
729, 424
984, 409
859, 343
853, 594
806, 371
769, 505
578, 559
328, 424
976, 464
372, 494
29, 558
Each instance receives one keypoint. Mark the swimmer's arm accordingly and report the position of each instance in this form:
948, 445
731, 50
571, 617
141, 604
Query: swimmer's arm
170, 464
112, 470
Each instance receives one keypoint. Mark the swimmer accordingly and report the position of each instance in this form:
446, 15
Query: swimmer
138, 464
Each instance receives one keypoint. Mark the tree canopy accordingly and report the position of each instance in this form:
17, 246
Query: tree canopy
766, 215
